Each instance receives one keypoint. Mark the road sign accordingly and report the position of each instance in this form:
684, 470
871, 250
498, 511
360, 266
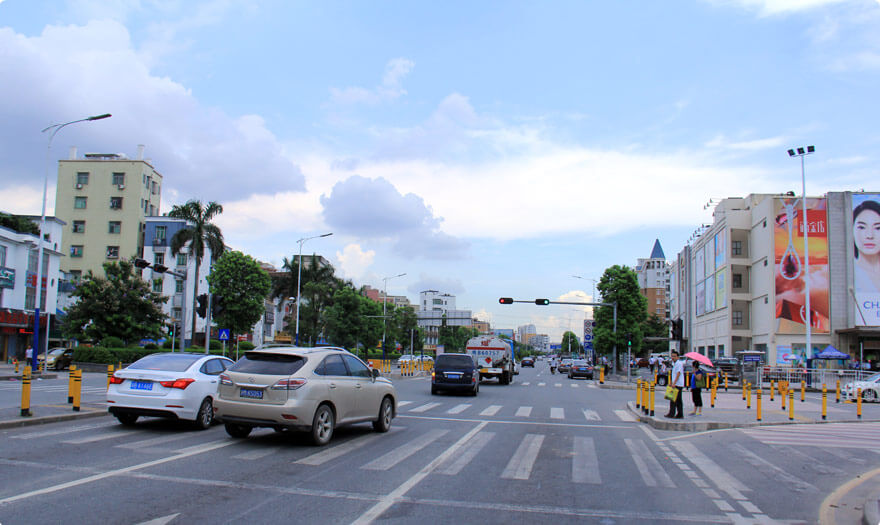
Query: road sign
224, 334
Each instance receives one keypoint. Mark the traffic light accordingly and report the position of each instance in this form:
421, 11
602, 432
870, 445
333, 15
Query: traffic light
161, 268
202, 308
542, 302
216, 305
506, 300
141, 263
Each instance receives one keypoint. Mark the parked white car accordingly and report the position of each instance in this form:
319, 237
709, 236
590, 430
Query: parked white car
870, 388
175, 385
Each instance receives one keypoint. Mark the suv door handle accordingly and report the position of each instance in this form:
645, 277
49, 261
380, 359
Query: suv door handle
332, 385
357, 385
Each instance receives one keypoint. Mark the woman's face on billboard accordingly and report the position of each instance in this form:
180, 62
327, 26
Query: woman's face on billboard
866, 231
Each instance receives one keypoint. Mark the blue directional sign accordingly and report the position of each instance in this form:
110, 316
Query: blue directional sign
224, 334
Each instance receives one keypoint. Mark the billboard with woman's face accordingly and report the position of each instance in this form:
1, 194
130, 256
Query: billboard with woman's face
866, 258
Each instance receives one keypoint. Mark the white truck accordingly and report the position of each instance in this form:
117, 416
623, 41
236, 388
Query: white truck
494, 358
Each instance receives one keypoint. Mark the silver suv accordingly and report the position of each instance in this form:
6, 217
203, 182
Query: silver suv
310, 389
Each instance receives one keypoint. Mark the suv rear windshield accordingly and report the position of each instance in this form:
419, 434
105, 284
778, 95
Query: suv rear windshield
168, 362
268, 364
454, 362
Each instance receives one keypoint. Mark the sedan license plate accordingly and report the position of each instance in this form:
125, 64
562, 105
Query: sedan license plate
250, 393
141, 385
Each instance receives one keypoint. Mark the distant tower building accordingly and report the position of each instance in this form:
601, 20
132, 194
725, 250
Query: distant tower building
653, 275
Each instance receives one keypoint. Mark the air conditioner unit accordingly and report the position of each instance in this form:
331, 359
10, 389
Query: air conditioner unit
79, 186
122, 186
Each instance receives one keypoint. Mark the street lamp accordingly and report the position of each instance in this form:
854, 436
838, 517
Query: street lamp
385, 302
801, 152
299, 274
54, 128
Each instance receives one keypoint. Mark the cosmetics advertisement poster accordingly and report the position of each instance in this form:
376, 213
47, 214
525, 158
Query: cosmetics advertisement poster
866, 258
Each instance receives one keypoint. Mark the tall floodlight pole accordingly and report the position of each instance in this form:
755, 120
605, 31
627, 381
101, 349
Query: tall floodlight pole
299, 274
385, 302
801, 152
53, 130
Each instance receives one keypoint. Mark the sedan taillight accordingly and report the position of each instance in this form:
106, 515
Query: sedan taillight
116, 380
178, 383
225, 380
288, 384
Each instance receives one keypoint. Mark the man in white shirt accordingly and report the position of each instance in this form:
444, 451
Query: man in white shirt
676, 379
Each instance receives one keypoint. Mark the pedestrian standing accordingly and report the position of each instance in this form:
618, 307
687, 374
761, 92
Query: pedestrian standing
698, 382
676, 409
28, 355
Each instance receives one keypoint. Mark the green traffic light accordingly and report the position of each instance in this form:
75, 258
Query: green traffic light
542, 302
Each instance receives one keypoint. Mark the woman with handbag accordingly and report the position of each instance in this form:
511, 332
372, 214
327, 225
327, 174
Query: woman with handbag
698, 382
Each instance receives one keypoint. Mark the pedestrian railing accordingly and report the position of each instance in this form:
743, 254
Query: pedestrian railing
813, 377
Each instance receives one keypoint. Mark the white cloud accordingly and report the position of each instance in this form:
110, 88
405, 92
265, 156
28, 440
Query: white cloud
391, 87
777, 7
354, 261
722, 142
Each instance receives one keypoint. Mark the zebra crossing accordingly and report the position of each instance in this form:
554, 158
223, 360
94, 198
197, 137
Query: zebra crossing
559, 385
831, 435
468, 409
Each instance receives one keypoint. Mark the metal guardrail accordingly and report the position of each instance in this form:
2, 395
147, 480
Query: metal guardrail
814, 377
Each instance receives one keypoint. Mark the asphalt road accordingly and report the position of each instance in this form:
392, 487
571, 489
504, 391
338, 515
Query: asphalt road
53, 391
543, 448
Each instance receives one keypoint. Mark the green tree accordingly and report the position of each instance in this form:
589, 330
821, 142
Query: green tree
352, 319
19, 223
620, 284
198, 234
403, 328
655, 326
243, 286
454, 338
570, 344
119, 305
318, 283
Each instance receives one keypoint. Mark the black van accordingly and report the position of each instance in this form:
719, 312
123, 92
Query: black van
455, 372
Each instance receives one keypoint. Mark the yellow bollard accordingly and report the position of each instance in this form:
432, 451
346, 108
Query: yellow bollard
26, 392
824, 401
109, 375
744, 390
655, 378
687, 379
70, 383
859, 403
837, 398
16, 365
772, 386
758, 402
782, 395
77, 390
747, 388
712, 393
803, 387
602, 375
791, 405
638, 393
725, 381
651, 398
645, 395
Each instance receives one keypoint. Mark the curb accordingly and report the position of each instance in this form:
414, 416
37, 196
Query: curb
42, 420
871, 513
11, 377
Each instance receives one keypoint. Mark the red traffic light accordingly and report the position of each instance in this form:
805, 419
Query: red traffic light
506, 300
141, 263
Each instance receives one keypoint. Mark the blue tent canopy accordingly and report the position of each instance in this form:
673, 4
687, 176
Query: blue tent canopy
831, 353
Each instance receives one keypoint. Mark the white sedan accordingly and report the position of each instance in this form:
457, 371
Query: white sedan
172, 385
870, 388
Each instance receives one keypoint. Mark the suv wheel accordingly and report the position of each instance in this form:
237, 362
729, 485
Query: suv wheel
386, 413
322, 425
237, 431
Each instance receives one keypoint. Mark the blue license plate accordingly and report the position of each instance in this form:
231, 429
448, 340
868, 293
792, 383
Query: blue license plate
141, 385
252, 394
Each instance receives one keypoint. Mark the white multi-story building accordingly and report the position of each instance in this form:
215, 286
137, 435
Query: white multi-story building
540, 342
525, 332
436, 310
653, 277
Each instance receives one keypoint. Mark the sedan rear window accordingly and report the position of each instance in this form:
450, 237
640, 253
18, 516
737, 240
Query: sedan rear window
268, 364
168, 362
454, 362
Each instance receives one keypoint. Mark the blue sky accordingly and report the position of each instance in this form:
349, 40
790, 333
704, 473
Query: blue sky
486, 149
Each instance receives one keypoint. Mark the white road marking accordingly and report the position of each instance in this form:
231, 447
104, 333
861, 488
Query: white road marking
319, 458
542, 384
161, 521
458, 409
558, 385
474, 446
402, 452
624, 415
403, 403
257, 453
145, 443
425, 407
523, 411
585, 463
391, 498
591, 415
514, 422
57, 431
712, 470
520, 465
102, 437
649, 468
557, 413
491, 410
770, 469
575, 385
526, 383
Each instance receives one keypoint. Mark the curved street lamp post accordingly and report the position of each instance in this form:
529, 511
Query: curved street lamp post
299, 274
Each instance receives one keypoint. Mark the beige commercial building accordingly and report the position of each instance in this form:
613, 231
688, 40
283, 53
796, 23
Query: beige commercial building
104, 198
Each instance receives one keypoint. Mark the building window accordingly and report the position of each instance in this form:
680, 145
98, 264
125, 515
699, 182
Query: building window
76, 275
737, 318
736, 247
157, 285
181, 259
76, 251
118, 179
114, 227
159, 258
79, 226
175, 312
161, 232
82, 177
113, 252
155, 188
115, 203
2, 255
178, 286
79, 203
152, 211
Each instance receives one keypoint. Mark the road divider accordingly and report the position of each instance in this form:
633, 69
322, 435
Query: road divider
26, 392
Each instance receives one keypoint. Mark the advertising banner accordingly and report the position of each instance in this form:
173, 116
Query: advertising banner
721, 289
682, 276
866, 258
720, 250
710, 258
790, 266
701, 298
710, 294
700, 264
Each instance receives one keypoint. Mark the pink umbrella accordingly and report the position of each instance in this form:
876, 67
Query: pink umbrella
698, 357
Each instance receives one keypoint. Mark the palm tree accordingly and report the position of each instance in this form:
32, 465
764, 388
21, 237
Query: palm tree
198, 233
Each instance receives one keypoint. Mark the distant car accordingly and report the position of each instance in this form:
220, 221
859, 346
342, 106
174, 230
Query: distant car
527, 361
564, 366
406, 358
425, 358
870, 388
455, 372
580, 368
59, 358
172, 385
